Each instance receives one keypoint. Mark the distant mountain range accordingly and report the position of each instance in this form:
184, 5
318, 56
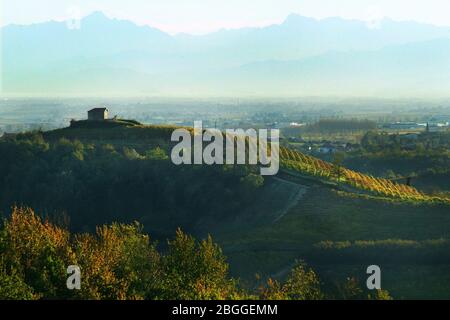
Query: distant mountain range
302, 56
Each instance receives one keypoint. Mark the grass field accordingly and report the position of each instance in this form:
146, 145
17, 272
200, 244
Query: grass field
362, 232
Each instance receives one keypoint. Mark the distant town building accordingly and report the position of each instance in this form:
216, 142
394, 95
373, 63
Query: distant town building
405, 126
296, 124
98, 114
327, 148
437, 127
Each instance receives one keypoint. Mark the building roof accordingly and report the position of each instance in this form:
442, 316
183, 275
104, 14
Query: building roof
99, 109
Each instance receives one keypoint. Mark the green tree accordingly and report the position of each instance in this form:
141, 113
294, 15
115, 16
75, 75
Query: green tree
156, 154
36, 252
302, 284
13, 286
195, 270
337, 169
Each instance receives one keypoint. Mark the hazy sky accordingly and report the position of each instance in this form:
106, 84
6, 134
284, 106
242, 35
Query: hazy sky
202, 16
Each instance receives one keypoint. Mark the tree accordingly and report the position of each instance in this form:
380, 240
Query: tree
156, 154
195, 270
302, 284
118, 262
381, 295
13, 286
35, 253
337, 169
351, 290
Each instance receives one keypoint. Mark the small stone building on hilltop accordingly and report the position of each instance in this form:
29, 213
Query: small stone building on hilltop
98, 114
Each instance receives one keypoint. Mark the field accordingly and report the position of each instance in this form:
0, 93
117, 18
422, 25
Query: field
343, 235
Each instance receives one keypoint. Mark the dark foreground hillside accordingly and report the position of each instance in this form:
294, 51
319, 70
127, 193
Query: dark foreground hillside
82, 178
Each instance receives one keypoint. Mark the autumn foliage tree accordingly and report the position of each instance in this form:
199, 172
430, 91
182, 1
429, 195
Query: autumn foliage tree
117, 262
195, 270
120, 262
35, 253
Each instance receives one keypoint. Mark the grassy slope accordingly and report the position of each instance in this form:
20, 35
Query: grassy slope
297, 163
322, 214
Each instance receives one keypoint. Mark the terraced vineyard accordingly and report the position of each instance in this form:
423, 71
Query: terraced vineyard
297, 162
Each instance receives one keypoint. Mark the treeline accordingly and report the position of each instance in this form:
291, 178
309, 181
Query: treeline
340, 125
374, 141
119, 261
425, 157
390, 251
89, 184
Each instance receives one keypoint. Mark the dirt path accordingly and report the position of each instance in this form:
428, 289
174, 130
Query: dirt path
293, 199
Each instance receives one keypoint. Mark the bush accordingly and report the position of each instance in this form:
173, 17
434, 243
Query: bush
195, 270
302, 284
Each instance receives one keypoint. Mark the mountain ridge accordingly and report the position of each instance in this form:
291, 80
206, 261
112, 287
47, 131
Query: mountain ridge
35, 55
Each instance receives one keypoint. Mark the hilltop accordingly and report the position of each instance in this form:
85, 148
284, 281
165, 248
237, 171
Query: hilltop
295, 165
117, 132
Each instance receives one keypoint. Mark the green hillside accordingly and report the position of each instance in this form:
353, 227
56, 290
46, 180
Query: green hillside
338, 221
296, 163
128, 132
340, 234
